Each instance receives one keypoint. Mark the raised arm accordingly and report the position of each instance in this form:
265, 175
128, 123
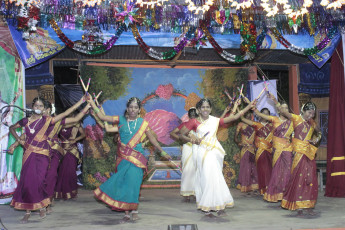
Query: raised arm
82, 134
111, 128
98, 112
264, 116
226, 110
79, 116
279, 108
233, 116
247, 121
238, 130
68, 111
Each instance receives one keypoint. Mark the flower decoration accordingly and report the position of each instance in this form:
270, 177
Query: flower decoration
237, 158
198, 40
165, 91
229, 173
126, 14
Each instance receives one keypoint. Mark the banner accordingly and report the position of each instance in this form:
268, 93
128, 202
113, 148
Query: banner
322, 57
254, 90
41, 46
314, 81
11, 93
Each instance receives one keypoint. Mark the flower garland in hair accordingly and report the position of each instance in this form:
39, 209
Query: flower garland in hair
305, 51
96, 50
160, 55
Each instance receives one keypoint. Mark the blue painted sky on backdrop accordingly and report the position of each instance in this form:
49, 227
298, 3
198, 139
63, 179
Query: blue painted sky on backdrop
146, 80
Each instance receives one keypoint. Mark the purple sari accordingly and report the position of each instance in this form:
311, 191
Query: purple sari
31, 193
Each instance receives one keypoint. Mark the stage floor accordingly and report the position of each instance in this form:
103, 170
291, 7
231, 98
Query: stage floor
162, 207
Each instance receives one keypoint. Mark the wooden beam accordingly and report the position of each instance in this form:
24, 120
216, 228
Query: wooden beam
293, 88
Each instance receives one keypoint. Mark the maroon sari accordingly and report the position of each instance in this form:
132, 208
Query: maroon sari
248, 176
31, 193
56, 153
263, 156
282, 159
302, 189
67, 186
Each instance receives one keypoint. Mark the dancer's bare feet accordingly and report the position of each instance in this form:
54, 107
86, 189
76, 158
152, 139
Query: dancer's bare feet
209, 214
300, 213
186, 199
221, 213
135, 215
311, 212
43, 213
125, 219
49, 209
25, 218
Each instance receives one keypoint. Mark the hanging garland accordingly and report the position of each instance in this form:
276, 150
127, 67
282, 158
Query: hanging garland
249, 45
96, 50
305, 51
160, 55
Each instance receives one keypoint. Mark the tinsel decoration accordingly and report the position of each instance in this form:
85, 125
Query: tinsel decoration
97, 49
160, 55
305, 51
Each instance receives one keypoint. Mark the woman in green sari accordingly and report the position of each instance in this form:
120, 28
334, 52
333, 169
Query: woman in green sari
121, 190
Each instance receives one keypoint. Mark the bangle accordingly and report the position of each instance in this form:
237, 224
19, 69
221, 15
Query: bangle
96, 110
241, 113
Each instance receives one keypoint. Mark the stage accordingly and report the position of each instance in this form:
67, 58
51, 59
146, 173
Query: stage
162, 207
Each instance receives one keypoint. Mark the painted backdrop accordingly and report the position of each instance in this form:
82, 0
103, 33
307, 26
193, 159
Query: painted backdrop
166, 94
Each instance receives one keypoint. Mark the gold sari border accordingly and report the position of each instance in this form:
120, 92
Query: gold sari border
187, 193
249, 188
215, 208
293, 205
66, 195
274, 198
114, 204
30, 206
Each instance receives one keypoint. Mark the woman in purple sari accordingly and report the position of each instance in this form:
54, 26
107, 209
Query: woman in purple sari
302, 189
282, 155
248, 175
263, 155
31, 193
67, 186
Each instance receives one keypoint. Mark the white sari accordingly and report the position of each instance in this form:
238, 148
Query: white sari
212, 192
188, 170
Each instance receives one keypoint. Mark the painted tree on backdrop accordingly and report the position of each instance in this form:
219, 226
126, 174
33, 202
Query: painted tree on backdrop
214, 81
100, 147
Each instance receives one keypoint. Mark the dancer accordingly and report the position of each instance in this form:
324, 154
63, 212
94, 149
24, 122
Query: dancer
248, 175
263, 156
211, 190
31, 193
188, 161
282, 154
67, 182
302, 189
121, 190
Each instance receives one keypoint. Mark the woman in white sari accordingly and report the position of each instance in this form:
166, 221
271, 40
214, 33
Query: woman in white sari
211, 190
187, 160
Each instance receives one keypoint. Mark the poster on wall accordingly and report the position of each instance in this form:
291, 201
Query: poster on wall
11, 93
166, 95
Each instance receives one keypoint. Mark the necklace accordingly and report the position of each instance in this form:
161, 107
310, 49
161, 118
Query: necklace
135, 125
32, 130
202, 120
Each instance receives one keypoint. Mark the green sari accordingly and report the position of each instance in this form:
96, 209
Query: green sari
121, 190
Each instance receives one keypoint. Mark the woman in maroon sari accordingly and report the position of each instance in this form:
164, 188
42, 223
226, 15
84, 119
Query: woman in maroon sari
263, 156
31, 192
282, 155
248, 175
67, 187
302, 189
